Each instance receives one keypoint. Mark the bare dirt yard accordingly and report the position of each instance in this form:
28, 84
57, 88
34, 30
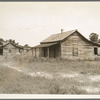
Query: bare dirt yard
26, 75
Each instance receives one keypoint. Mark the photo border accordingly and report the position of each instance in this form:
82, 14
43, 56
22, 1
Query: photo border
49, 97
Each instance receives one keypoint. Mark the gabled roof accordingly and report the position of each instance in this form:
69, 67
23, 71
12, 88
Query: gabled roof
61, 36
58, 36
17, 46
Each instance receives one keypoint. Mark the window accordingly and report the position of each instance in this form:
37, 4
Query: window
95, 50
75, 51
9, 50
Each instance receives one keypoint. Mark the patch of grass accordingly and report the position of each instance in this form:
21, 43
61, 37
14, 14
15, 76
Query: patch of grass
56, 65
12, 81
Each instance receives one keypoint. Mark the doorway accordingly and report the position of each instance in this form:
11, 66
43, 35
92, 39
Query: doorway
45, 52
95, 50
1, 51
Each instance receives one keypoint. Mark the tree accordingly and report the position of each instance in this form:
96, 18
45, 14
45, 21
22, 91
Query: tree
99, 41
26, 45
93, 37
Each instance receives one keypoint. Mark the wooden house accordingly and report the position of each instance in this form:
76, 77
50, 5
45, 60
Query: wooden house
71, 44
11, 48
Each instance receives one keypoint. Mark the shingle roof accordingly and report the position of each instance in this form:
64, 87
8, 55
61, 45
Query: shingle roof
58, 36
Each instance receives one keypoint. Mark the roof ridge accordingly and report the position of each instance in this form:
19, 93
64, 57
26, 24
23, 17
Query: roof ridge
13, 45
66, 31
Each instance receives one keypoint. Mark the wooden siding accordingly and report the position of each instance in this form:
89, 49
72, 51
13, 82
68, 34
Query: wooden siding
37, 52
76, 42
98, 51
10, 49
33, 52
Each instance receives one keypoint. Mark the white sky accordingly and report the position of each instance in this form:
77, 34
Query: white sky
32, 22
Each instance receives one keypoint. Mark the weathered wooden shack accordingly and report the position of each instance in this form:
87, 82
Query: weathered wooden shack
11, 48
71, 44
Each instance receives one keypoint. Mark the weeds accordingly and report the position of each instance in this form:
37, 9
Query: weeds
14, 82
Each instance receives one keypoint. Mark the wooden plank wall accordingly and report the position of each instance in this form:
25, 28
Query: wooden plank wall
6, 49
85, 49
98, 51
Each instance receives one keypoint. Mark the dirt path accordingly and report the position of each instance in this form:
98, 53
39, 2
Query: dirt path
44, 74
33, 74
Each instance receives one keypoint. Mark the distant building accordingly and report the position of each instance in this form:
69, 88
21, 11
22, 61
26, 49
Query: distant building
10, 47
27, 48
71, 44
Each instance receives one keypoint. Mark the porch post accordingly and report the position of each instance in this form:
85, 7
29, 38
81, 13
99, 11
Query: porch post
39, 52
48, 51
32, 52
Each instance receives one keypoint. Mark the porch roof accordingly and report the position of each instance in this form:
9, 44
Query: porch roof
45, 45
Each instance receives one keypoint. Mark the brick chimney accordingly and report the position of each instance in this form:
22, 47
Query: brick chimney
62, 30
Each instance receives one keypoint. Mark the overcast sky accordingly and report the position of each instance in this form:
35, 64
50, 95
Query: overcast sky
32, 22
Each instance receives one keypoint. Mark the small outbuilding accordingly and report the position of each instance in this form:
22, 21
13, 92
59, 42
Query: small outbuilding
10, 48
